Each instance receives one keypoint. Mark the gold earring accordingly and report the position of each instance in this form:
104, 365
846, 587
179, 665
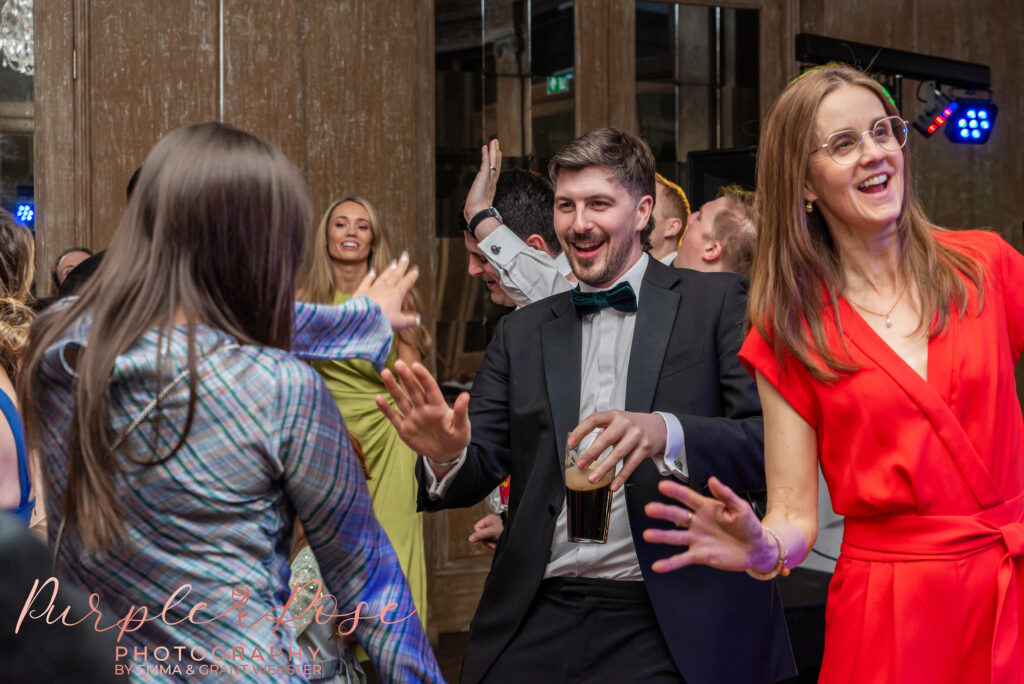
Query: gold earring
808, 207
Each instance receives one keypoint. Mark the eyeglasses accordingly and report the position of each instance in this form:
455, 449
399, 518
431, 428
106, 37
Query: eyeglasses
889, 133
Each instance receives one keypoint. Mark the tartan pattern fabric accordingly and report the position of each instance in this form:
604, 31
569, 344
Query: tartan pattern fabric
355, 330
267, 446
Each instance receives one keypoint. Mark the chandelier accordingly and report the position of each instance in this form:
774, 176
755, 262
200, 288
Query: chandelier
16, 35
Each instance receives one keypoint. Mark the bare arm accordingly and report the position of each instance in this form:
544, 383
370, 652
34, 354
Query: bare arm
723, 531
408, 353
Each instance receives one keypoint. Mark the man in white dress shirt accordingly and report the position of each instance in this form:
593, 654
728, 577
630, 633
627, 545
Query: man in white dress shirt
646, 354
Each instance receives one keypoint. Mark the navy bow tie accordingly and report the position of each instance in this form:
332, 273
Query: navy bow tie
621, 298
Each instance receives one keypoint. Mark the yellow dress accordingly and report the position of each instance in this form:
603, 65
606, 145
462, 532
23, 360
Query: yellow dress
354, 384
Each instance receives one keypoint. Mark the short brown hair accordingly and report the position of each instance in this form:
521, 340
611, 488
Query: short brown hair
627, 156
736, 228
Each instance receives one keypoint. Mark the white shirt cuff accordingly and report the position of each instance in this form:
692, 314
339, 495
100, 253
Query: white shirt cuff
502, 246
562, 263
673, 462
437, 488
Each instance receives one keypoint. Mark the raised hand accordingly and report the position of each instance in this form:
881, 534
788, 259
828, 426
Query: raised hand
389, 289
635, 436
722, 532
481, 193
423, 418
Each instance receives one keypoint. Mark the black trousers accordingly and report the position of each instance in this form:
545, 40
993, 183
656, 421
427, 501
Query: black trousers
580, 630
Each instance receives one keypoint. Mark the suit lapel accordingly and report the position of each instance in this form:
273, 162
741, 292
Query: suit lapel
655, 320
561, 345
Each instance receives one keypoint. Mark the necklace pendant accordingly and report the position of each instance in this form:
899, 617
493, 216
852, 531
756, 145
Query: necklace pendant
888, 322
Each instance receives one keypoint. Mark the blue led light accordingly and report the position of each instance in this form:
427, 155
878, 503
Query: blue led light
975, 120
25, 213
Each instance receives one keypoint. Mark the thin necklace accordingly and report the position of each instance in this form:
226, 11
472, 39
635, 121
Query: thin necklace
888, 314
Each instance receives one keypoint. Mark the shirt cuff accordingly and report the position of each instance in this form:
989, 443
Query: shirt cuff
673, 461
562, 264
502, 246
437, 488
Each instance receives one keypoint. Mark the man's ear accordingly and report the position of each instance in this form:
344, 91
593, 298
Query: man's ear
712, 251
643, 211
537, 242
674, 228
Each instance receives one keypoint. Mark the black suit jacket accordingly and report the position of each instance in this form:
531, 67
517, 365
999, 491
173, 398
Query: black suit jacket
719, 626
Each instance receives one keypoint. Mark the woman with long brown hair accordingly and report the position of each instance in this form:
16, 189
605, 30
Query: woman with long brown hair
884, 347
180, 440
347, 243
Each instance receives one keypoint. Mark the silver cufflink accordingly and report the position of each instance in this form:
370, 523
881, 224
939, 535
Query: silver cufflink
495, 250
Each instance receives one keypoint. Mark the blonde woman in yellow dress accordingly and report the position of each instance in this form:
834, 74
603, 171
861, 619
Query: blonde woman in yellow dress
348, 241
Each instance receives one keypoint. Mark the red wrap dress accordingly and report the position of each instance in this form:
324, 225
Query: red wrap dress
930, 476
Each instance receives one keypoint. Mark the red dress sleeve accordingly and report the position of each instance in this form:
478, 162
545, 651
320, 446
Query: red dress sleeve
790, 378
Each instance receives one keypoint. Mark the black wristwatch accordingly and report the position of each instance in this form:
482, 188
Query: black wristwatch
489, 212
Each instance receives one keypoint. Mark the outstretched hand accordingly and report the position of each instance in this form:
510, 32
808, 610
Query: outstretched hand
389, 289
722, 532
423, 418
481, 193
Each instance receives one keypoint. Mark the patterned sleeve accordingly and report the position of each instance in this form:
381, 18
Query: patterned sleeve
324, 482
357, 329
790, 378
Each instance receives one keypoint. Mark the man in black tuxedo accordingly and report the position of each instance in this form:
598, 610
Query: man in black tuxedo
647, 355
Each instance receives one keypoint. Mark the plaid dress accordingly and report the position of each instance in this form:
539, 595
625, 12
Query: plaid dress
212, 525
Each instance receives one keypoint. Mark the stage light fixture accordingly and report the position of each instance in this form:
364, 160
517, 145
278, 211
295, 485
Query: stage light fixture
25, 213
938, 109
973, 121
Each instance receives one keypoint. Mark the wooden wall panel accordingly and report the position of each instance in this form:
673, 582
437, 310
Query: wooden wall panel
605, 63
262, 66
369, 118
152, 67
58, 221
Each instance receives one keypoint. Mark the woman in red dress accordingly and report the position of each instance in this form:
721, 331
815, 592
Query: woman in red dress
884, 347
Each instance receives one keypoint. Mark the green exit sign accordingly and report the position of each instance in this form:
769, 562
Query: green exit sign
558, 84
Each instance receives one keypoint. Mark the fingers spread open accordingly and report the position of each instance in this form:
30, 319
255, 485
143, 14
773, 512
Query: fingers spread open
396, 390
431, 391
410, 383
677, 515
681, 493
680, 560
675, 537
389, 411
724, 494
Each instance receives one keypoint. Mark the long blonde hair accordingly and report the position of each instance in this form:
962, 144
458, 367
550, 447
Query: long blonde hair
17, 259
316, 284
795, 255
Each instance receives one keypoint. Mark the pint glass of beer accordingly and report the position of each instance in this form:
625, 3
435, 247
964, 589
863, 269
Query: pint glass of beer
588, 505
